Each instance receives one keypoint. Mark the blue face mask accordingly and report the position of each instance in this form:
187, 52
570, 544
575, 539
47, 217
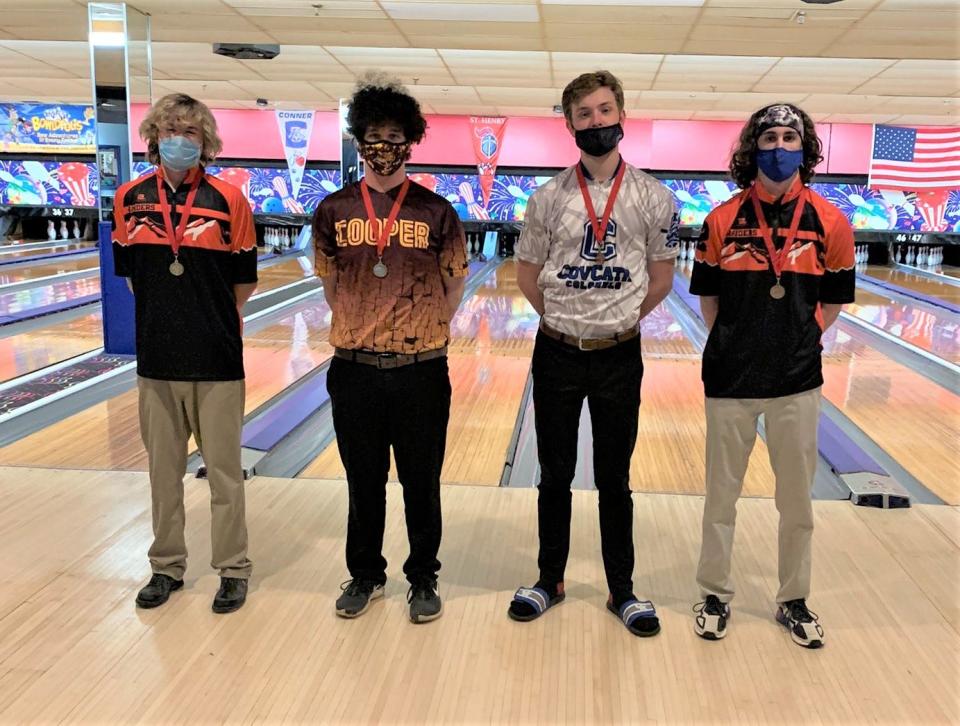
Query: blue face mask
779, 164
178, 153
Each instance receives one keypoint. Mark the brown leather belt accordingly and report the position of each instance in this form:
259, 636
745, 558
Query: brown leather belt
388, 360
590, 343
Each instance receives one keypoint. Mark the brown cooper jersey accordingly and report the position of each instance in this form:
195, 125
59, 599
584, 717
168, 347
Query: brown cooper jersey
406, 311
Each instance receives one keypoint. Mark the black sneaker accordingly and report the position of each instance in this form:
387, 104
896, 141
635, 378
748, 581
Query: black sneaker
802, 624
156, 592
356, 597
231, 595
711, 620
425, 604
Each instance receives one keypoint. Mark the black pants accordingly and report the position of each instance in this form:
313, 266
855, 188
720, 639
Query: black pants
406, 408
610, 381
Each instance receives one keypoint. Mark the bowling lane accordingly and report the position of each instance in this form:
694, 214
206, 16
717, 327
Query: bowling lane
932, 329
283, 273
492, 341
54, 248
28, 299
917, 282
913, 419
47, 269
670, 453
107, 435
27, 352
950, 270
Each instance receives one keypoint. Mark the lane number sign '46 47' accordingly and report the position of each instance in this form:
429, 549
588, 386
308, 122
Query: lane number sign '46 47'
909, 238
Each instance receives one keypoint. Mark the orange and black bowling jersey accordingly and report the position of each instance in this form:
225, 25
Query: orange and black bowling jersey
406, 311
188, 327
760, 347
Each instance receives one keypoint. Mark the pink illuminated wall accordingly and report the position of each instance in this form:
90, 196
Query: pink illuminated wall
541, 142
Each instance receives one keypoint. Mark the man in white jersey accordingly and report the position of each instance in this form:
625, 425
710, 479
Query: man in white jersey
596, 256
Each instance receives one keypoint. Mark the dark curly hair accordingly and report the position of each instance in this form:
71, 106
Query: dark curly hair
743, 163
378, 100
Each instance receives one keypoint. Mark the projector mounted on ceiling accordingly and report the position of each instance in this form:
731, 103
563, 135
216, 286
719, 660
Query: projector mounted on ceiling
247, 51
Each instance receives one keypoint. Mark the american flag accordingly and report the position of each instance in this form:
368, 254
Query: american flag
914, 159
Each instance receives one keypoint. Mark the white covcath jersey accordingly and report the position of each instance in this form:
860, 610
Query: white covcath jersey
583, 297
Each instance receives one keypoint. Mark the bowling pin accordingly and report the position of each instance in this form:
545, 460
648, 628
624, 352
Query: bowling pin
921, 257
64, 232
51, 230
76, 229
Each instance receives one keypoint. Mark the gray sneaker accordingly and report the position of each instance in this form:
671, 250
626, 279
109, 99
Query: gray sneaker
356, 597
425, 604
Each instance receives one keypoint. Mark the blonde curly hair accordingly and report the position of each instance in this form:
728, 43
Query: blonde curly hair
179, 107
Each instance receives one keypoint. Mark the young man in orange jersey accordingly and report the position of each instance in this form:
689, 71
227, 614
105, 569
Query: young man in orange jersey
773, 267
186, 243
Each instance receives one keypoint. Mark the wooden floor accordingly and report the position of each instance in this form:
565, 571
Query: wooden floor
74, 649
26, 352
904, 412
59, 247
489, 361
915, 281
30, 351
47, 269
929, 328
107, 435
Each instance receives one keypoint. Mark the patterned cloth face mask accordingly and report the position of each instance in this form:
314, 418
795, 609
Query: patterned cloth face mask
384, 157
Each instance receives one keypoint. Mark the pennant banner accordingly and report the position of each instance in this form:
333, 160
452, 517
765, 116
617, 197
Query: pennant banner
295, 130
487, 135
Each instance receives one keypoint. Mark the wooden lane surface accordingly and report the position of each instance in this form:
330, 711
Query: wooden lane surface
932, 329
491, 344
670, 455
282, 273
914, 420
950, 270
916, 282
48, 269
488, 385
53, 248
107, 435
27, 352
73, 648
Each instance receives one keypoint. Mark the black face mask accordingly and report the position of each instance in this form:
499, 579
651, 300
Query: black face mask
599, 141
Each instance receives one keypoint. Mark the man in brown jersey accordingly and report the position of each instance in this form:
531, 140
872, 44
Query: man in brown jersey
393, 259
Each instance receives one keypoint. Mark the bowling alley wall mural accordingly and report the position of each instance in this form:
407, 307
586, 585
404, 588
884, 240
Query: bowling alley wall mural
48, 183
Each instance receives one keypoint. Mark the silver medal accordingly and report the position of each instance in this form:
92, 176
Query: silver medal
380, 269
176, 268
777, 291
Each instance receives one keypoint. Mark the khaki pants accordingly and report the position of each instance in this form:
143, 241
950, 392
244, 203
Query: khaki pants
213, 412
791, 431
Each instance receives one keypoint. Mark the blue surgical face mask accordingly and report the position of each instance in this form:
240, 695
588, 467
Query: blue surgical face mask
178, 153
779, 164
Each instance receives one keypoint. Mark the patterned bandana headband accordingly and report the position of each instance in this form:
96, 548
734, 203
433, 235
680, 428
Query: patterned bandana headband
780, 115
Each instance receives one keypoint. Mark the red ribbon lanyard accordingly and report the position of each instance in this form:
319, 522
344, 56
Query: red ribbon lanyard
176, 238
778, 257
600, 227
372, 215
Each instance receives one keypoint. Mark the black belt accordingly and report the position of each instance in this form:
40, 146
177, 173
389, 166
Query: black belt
590, 343
388, 360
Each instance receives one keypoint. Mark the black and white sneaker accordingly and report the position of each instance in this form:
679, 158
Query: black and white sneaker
802, 624
711, 620
356, 597
425, 603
